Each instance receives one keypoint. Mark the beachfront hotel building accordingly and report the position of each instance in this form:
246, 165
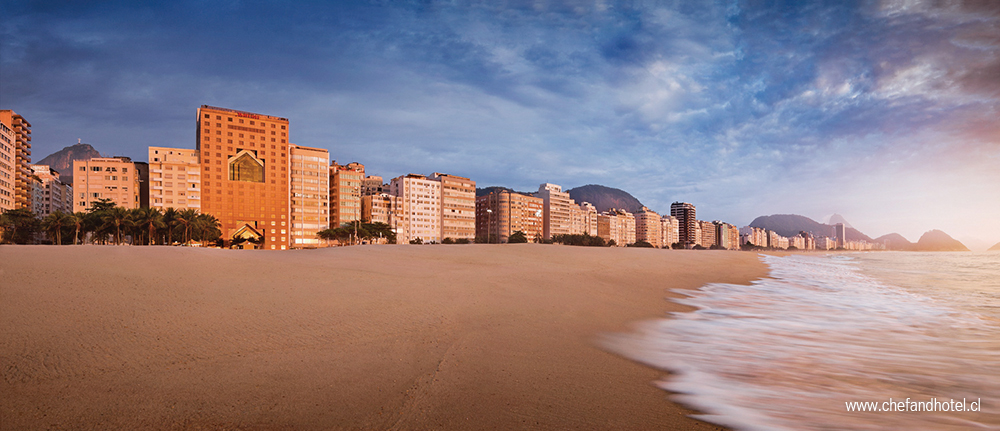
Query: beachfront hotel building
309, 176
583, 219
345, 192
616, 225
727, 236
420, 199
648, 227
458, 206
244, 173
51, 194
174, 179
685, 215
7, 159
111, 178
20, 154
501, 213
669, 230
382, 208
556, 210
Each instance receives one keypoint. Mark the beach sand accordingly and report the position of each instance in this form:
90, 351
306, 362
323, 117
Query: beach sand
372, 337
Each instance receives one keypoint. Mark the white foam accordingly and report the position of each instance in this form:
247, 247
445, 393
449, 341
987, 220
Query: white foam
787, 352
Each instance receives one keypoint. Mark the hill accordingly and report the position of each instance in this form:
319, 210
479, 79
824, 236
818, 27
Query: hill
895, 241
605, 198
791, 224
996, 247
936, 240
62, 160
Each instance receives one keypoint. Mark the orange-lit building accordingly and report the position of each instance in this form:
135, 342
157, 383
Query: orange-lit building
20, 131
345, 192
174, 178
500, 214
458, 206
244, 173
113, 178
310, 194
6, 167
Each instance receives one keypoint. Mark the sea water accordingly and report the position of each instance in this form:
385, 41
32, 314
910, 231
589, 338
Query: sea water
790, 352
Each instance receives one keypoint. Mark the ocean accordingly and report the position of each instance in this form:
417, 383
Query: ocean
829, 338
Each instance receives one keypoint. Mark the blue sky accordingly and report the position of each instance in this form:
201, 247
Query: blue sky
884, 112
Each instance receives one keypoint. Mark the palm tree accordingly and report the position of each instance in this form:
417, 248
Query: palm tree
186, 218
150, 219
54, 224
77, 220
207, 227
170, 220
116, 216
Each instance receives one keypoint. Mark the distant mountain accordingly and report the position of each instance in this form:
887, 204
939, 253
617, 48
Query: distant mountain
62, 160
491, 189
791, 224
837, 218
895, 241
936, 240
605, 198
995, 247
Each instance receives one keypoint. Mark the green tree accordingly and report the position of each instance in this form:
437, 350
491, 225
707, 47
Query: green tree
55, 223
149, 219
116, 217
206, 228
19, 225
186, 218
77, 220
517, 237
170, 216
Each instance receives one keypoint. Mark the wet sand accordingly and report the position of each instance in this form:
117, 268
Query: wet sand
375, 337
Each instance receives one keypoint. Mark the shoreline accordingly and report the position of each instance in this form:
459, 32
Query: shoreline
375, 337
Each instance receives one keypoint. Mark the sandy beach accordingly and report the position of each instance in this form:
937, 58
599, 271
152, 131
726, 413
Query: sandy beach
376, 337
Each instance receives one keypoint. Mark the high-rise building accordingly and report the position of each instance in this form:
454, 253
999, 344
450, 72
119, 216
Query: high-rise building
244, 173
382, 208
501, 213
174, 179
648, 227
583, 219
727, 236
7, 167
111, 178
840, 232
53, 195
685, 215
20, 130
458, 206
373, 185
420, 198
345, 192
556, 212
669, 230
616, 225
310, 194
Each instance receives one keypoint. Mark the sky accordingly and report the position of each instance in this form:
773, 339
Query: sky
883, 112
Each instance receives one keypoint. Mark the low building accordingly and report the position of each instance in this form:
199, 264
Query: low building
382, 208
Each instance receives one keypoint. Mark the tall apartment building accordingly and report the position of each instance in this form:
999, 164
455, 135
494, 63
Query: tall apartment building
685, 215
500, 214
20, 130
310, 194
556, 212
382, 208
458, 206
616, 225
669, 230
174, 179
583, 219
7, 167
648, 227
727, 236
420, 199
105, 178
373, 185
345, 192
706, 230
53, 195
840, 232
244, 173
